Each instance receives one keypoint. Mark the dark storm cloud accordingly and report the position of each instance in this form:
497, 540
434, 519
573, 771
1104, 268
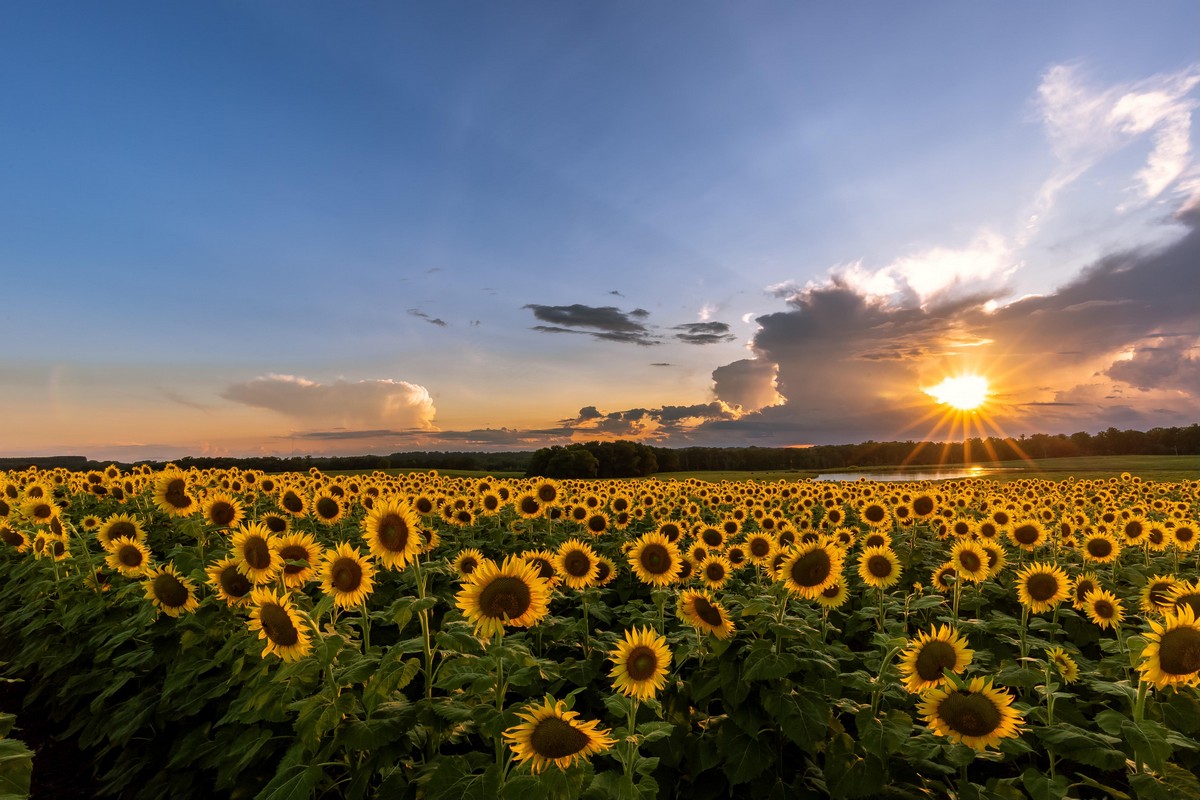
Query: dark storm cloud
703, 333
601, 322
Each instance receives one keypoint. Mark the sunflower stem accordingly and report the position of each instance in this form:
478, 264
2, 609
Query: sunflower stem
957, 595
1139, 713
631, 739
587, 645
501, 690
366, 627
880, 590
1050, 717
1024, 631
426, 641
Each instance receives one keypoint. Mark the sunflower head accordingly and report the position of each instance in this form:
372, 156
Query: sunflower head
1172, 655
467, 561
970, 561
924, 660
549, 734
577, 563
391, 531
809, 569
170, 592
879, 567
1042, 586
347, 576
128, 557
978, 716
1104, 609
1063, 664
230, 584
640, 663
257, 551
705, 614
278, 623
655, 560
510, 594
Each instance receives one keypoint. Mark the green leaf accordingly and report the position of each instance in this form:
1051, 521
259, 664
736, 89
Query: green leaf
1041, 787
744, 756
16, 768
1149, 741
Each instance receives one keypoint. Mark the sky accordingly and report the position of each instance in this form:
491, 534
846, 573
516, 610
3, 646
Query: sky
295, 227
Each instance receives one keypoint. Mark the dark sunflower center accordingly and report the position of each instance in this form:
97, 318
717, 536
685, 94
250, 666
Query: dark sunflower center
577, 564
176, 493
879, 566
234, 583
1083, 589
393, 532
1192, 600
491, 502
708, 612
933, 658
505, 598
256, 552
1158, 592
812, 569
529, 505
547, 494
602, 572
759, 547
1099, 548
1184, 534
328, 508
987, 529
1041, 586
1104, 609
468, 565
992, 557
1025, 534
597, 523
544, 567
222, 513
1000, 518
874, 540
292, 502
170, 591
43, 511
923, 506
736, 556
671, 531
424, 505
961, 528
1134, 530
641, 663
130, 556
557, 738
655, 559
11, 537
122, 528
874, 513
346, 575
711, 537
715, 572
275, 524
1179, 651
831, 592
970, 560
969, 714
294, 552
278, 625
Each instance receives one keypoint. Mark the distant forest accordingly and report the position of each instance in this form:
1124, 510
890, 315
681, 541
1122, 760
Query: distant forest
633, 459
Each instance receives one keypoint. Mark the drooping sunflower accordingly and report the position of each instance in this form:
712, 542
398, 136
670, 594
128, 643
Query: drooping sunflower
1155, 596
978, 717
1172, 656
655, 560
170, 592
702, 612
295, 548
257, 551
809, 569
970, 560
230, 584
129, 557
552, 735
277, 622
1066, 667
392, 534
1042, 586
924, 659
1085, 583
714, 571
1027, 533
576, 562
467, 561
1185, 594
879, 567
1100, 547
833, 595
544, 561
510, 594
347, 576
222, 510
14, 538
1104, 608
640, 663
172, 494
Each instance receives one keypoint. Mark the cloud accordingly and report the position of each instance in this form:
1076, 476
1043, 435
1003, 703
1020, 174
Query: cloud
748, 384
604, 322
366, 404
416, 312
703, 333
1164, 365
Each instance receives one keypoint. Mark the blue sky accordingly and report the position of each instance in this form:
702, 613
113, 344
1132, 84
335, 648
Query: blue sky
284, 227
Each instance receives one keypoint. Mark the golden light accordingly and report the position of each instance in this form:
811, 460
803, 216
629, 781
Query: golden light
964, 393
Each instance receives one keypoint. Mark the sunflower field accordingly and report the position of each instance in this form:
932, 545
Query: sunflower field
238, 634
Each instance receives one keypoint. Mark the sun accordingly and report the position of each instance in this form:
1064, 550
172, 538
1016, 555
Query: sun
965, 393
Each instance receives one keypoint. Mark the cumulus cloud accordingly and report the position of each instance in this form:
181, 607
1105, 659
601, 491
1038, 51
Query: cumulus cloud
703, 333
608, 323
1164, 364
360, 405
748, 384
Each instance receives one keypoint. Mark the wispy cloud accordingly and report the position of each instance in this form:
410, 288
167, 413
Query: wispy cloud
703, 332
416, 312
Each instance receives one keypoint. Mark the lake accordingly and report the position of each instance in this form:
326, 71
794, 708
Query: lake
910, 474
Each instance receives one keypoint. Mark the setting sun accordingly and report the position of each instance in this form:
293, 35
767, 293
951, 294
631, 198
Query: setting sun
964, 393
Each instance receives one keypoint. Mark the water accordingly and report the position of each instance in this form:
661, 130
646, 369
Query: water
909, 474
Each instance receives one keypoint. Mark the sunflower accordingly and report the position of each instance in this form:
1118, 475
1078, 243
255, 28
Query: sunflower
89, 523
170, 592
277, 621
347, 576
970, 561
1027, 533
1172, 657
833, 595
467, 561
1042, 586
703, 613
120, 526
1185, 594
14, 538
876, 515
391, 532
294, 548
550, 734
606, 570
760, 547
327, 507
171, 494
943, 577
714, 571
879, 567
1104, 609
596, 523
978, 717
128, 557
510, 594
671, 530
222, 510
576, 562
711, 537
1084, 584
1063, 664
1100, 548
640, 663
293, 501
655, 560
230, 584
257, 552
1156, 593
923, 660
997, 559
490, 503
544, 561
528, 506
39, 510
876, 539
809, 569
277, 524
1184, 536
